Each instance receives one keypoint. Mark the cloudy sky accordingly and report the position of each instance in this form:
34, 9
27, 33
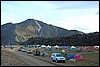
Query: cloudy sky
71, 15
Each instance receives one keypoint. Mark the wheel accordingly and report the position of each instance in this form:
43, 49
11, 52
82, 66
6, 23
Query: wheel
52, 60
63, 61
56, 61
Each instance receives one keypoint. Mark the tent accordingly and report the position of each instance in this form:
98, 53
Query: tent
56, 47
73, 47
38, 46
87, 47
76, 46
64, 47
50, 49
48, 46
63, 50
70, 56
77, 57
92, 48
5, 46
96, 46
45, 54
69, 48
82, 48
43, 46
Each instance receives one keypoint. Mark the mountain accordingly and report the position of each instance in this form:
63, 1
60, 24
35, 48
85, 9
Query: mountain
31, 28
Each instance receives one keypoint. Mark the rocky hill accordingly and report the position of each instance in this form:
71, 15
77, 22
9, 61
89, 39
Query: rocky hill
31, 28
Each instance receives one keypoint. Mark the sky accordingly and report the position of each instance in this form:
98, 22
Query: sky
71, 15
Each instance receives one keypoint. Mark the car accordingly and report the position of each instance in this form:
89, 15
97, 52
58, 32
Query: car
23, 50
57, 57
36, 53
2, 46
12, 47
19, 49
29, 51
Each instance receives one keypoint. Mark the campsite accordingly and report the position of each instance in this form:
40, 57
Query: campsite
89, 57
85, 55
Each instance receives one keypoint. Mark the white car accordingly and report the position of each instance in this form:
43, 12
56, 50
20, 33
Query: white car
23, 50
29, 51
57, 57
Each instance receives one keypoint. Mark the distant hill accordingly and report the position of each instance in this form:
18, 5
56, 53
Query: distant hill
31, 28
89, 39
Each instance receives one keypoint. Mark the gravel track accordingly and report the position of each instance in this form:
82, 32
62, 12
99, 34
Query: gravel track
14, 58
9, 59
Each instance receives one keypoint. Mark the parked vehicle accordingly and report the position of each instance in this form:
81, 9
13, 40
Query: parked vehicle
36, 52
12, 47
57, 57
29, 51
23, 50
19, 49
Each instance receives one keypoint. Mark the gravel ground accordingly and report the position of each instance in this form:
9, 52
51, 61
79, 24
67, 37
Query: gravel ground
9, 59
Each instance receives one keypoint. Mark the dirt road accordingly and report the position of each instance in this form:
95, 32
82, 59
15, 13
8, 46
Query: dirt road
30, 60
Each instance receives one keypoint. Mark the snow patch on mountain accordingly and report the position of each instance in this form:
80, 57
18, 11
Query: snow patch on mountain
39, 26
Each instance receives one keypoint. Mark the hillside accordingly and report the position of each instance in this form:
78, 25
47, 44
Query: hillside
76, 39
31, 28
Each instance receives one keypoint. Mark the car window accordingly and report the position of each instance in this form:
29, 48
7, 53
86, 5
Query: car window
59, 55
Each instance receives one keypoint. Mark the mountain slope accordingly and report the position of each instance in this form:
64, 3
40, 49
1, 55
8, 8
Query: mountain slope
31, 28
89, 39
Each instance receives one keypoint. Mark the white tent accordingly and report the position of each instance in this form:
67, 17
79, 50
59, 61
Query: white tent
73, 47
96, 46
43, 46
56, 46
48, 46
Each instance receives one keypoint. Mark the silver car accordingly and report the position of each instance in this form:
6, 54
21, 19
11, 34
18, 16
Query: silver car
23, 50
29, 51
57, 57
